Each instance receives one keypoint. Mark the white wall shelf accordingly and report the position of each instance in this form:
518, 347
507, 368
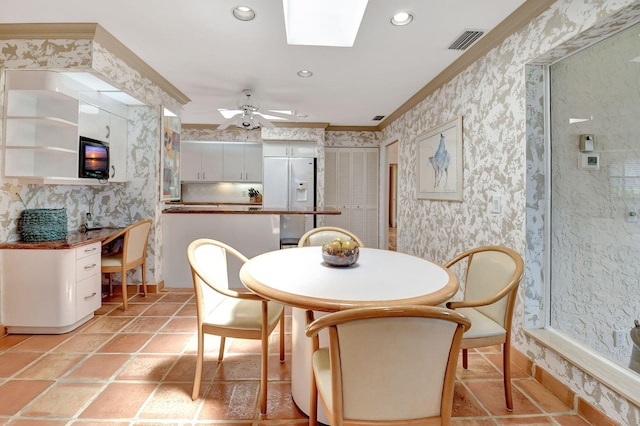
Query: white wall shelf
41, 128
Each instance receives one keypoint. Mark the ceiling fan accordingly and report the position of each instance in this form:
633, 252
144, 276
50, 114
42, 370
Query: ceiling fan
247, 115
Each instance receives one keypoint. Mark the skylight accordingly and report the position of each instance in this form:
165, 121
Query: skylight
323, 22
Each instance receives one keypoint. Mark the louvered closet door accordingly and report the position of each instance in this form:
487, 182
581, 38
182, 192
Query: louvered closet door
372, 171
358, 188
351, 186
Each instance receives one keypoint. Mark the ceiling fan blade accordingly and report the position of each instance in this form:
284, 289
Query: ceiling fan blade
263, 121
228, 122
279, 115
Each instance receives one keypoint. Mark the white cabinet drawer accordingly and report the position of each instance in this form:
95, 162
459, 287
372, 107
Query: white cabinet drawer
88, 250
88, 266
88, 296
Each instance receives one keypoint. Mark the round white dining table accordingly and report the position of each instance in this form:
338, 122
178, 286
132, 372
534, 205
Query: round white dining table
299, 277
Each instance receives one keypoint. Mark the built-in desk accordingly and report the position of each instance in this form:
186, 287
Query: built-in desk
51, 287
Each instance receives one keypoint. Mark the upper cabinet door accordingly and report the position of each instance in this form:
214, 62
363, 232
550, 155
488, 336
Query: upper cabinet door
212, 162
302, 149
253, 161
190, 161
234, 161
289, 149
118, 148
94, 122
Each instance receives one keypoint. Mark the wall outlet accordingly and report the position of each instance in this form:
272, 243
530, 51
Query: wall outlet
15, 192
619, 338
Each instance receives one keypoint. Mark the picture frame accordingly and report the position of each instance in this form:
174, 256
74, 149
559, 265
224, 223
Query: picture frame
439, 162
170, 156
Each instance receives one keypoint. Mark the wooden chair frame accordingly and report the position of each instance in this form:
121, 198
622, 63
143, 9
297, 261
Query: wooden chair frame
508, 291
332, 320
133, 254
304, 240
229, 330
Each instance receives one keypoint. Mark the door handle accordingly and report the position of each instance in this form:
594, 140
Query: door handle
108, 131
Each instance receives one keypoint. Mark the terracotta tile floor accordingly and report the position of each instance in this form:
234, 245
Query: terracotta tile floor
136, 368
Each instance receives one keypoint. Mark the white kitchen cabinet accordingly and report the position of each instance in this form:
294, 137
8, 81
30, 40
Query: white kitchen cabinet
242, 162
97, 123
351, 186
56, 296
289, 149
201, 161
41, 127
118, 149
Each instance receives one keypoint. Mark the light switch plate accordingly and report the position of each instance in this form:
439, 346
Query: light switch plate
496, 204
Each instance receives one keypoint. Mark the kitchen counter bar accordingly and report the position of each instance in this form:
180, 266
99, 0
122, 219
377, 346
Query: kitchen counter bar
73, 240
244, 209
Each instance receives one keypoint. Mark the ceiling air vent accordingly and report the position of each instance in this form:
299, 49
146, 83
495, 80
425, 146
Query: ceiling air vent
378, 117
466, 39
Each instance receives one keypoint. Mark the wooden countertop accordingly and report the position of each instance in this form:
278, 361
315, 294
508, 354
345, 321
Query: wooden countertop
73, 240
242, 209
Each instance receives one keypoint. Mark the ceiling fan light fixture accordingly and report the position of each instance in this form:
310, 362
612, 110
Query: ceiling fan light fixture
243, 13
402, 18
305, 73
323, 23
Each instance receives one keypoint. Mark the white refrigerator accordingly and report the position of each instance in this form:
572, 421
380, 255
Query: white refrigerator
289, 183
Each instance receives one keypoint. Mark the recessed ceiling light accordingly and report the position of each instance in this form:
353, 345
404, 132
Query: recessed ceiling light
243, 13
305, 73
402, 18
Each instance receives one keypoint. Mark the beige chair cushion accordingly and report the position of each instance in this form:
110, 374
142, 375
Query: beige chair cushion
242, 314
481, 325
114, 260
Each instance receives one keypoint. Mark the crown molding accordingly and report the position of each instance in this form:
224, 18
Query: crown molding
353, 128
71, 31
529, 10
91, 31
311, 125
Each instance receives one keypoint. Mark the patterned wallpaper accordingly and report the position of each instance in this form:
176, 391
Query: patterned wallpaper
503, 136
112, 204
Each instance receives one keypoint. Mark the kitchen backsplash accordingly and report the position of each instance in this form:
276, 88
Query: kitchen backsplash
218, 192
